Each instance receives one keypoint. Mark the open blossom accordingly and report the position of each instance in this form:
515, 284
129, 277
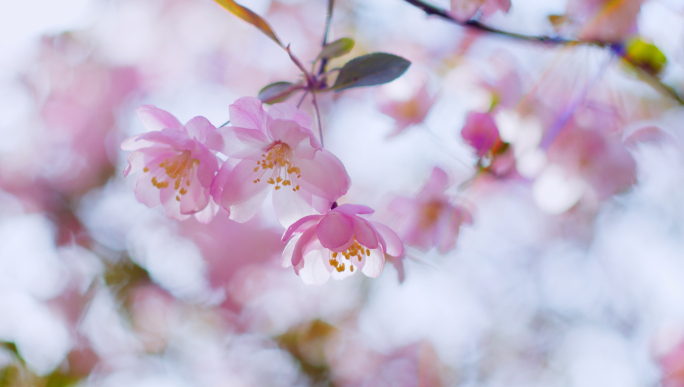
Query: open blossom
430, 219
177, 162
410, 112
277, 150
339, 243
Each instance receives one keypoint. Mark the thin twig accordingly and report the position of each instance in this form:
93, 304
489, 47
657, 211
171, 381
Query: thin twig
302, 99
227, 122
318, 116
328, 18
615, 47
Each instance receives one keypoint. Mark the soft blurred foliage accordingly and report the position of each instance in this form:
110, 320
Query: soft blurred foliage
571, 274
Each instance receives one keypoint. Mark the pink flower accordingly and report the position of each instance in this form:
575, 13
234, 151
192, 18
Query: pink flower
464, 10
602, 20
481, 133
339, 243
278, 150
410, 112
177, 163
429, 218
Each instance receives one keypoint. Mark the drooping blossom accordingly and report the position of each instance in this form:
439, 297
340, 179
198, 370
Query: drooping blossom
430, 219
339, 243
672, 365
481, 133
177, 162
602, 20
277, 150
409, 112
464, 10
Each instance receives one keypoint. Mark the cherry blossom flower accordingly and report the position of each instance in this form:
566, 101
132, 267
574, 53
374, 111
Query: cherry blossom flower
276, 149
177, 163
602, 20
429, 218
481, 133
339, 243
464, 10
410, 112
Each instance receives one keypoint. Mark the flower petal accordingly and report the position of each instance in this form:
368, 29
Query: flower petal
436, 185
289, 206
247, 112
199, 128
156, 119
306, 238
394, 247
364, 233
286, 111
243, 143
335, 230
175, 138
324, 176
314, 271
353, 209
288, 251
374, 263
301, 225
241, 196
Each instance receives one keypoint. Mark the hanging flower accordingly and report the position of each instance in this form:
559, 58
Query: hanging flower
278, 152
430, 219
177, 163
339, 243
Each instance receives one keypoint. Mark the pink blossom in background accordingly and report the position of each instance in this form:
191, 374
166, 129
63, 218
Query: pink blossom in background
481, 133
429, 219
177, 163
672, 365
410, 112
339, 243
464, 10
603, 20
276, 149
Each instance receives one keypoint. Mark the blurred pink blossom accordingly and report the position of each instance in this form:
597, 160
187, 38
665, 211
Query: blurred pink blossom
481, 133
177, 163
604, 20
464, 10
339, 243
672, 365
430, 219
276, 148
410, 112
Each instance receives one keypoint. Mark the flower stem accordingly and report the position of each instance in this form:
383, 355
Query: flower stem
318, 116
328, 18
302, 99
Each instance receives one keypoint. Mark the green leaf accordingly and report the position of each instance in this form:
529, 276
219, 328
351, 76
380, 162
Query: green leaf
369, 70
277, 92
645, 55
250, 17
337, 48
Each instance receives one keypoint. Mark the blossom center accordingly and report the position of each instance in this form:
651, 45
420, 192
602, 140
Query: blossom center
279, 160
354, 252
430, 213
177, 169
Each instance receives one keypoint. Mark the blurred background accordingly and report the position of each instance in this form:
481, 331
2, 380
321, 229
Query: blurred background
572, 273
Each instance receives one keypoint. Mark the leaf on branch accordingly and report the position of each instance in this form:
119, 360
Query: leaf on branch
645, 55
277, 92
369, 70
337, 48
250, 17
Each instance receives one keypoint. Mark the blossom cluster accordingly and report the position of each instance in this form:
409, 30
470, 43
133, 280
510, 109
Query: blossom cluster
265, 151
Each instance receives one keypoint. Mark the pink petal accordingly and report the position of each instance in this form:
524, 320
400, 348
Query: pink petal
243, 143
156, 119
394, 247
305, 239
294, 136
145, 192
364, 233
288, 251
480, 132
196, 198
289, 206
374, 263
241, 196
286, 111
208, 166
133, 143
314, 271
199, 128
171, 205
220, 181
354, 209
208, 213
175, 138
335, 230
436, 185
248, 113
301, 225
324, 176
